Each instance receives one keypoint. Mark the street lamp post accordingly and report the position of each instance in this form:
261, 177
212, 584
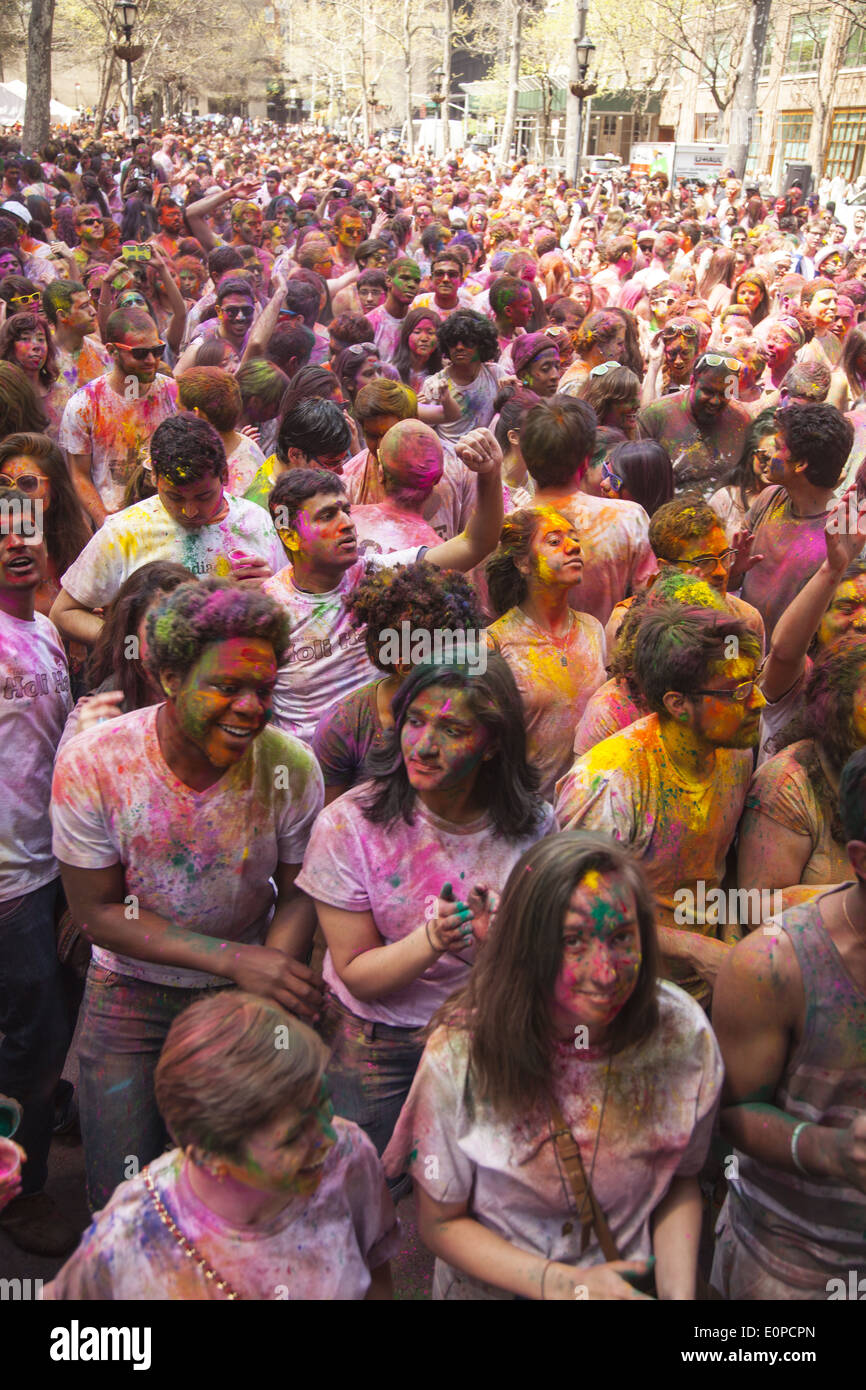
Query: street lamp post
584, 49
125, 14
439, 102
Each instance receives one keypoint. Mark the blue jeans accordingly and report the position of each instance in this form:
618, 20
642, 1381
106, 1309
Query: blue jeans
124, 1023
34, 1021
371, 1068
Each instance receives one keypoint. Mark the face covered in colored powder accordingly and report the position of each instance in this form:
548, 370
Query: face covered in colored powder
846, 613
721, 720
601, 955
443, 742
709, 557
324, 534
288, 1154
200, 502
403, 281
542, 374
23, 562
31, 350
224, 702
554, 554
823, 310
422, 340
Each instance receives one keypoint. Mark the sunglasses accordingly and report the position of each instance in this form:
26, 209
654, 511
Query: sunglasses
608, 476
715, 359
28, 482
141, 354
236, 312
362, 350
687, 332
25, 299
603, 368
446, 275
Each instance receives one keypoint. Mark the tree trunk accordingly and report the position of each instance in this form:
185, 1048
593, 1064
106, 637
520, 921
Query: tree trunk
407, 54
106, 79
745, 98
448, 7
513, 79
37, 110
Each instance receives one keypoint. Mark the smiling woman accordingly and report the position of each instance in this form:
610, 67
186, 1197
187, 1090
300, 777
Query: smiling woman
539, 1087
263, 1179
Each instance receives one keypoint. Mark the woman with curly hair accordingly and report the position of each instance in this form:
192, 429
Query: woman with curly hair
460, 397
202, 775
428, 600
556, 654
404, 870
418, 354
26, 341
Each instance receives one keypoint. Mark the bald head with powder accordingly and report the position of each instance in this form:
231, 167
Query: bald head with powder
411, 459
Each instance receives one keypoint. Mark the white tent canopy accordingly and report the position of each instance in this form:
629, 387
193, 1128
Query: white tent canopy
12, 98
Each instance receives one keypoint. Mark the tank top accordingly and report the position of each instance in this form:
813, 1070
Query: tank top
800, 1229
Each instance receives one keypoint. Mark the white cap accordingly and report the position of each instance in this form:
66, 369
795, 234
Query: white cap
17, 210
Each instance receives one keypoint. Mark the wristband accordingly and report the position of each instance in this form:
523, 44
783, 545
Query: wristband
438, 949
795, 1140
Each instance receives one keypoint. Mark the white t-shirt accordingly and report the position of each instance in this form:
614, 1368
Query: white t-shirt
386, 331
475, 400
115, 430
202, 860
146, 532
244, 462
34, 682
319, 1247
393, 872
327, 657
642, 1119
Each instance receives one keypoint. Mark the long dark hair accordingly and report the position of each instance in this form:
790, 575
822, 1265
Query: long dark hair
403, 356
506, 1005
829, 706
506, 585
742, 477
507, 786
110, 658
14, 328
66, 529
645, 468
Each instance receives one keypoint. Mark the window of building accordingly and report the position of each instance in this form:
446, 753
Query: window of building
767, 60
846, 150
793, 129
806, 43
608, 127
708, 126
854, 54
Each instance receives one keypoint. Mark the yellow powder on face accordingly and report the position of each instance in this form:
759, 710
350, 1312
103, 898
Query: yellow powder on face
591, 881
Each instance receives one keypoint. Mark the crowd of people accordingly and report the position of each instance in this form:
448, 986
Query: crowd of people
433, 652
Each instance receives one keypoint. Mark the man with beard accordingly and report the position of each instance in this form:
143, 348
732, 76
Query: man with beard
702, 427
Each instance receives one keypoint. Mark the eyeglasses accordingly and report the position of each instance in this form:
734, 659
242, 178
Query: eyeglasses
714, 359
236, 312
141, 354
686, 331
706, 564
362, 350
663, 299
604, 367
738, 696
609, 477
28, 482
